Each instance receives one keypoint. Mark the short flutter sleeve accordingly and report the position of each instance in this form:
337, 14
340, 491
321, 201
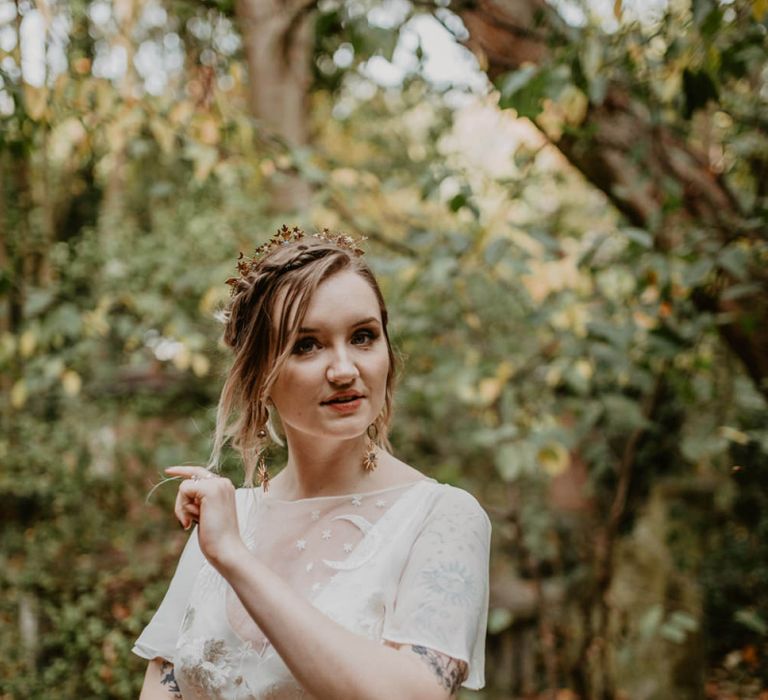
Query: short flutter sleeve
442, 598
161, 634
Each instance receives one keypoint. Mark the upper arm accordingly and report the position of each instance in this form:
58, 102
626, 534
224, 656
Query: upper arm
441, 602
160, 682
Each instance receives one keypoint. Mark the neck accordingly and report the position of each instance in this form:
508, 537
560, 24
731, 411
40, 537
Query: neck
321, 467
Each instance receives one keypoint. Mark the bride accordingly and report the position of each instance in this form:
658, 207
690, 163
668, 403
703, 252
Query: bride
348, 575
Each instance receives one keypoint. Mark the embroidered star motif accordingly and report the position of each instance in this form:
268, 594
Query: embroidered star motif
315, 515
381, 503
301, 544
310, 566
347, 547
326, 534
356, 501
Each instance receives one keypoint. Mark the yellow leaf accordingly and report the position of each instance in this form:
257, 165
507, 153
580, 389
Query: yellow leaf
65, 138
505, 370
617, 9
207, 130
71, 382
212, 298
473, 320
181, 112
554, 458
163, 134
36, 101
200, 365
182, 358
489, 389
19, 394
27, 343
733, 434
759, 8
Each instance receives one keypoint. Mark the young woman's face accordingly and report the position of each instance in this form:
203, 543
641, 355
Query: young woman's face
334, 382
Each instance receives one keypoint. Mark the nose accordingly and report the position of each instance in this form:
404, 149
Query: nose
341, 369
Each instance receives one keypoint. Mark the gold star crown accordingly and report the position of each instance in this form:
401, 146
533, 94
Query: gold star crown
285, 236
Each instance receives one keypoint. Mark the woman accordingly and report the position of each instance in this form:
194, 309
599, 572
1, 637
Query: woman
351, 574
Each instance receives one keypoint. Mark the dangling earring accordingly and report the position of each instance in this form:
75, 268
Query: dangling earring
261, 467
370, 458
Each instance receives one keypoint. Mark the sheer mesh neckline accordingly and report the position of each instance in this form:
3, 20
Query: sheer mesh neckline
362, 494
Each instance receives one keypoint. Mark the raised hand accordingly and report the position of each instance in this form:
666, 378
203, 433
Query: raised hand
209, 500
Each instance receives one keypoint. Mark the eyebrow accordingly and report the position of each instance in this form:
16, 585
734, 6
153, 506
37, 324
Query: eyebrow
362, 322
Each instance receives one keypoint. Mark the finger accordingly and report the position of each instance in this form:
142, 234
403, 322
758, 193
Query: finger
190, 472
178, 509
192, 511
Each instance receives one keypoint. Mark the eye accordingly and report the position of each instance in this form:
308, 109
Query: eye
364, 336
305, 346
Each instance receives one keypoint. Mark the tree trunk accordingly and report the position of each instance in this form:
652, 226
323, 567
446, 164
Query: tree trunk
629, 157
278, 40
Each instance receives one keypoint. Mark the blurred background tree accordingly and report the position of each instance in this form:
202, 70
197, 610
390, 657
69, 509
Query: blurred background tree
570, 230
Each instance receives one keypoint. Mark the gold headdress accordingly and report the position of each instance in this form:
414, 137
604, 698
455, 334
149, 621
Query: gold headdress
284, 237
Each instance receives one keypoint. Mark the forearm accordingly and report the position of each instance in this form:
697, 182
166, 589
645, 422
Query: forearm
160, 682
328, 660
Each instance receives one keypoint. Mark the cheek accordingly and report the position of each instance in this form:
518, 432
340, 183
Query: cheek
380, 368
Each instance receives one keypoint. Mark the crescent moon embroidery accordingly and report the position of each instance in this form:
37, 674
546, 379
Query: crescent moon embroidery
364, 551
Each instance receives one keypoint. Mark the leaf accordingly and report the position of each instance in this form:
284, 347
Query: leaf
71, 382
623, 413
554, 458
524, 90
650, 621
672, 633
684, 621
738, 291
759, 9
499, 619
27, 343
751, 620
735, 261
639, 236
514, 459
35, 101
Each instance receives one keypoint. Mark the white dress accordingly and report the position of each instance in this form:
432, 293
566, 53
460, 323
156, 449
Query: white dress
408, 564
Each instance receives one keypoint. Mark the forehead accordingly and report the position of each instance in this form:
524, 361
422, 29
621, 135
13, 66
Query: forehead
344, 297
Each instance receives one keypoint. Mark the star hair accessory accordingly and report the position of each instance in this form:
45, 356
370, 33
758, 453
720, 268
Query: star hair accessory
285, 236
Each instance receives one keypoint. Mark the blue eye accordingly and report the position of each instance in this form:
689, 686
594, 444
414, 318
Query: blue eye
363, 337
304, 346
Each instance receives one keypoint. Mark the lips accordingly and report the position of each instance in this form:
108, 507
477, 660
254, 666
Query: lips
342, 397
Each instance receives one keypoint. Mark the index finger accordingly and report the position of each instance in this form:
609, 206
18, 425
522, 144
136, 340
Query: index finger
190, 472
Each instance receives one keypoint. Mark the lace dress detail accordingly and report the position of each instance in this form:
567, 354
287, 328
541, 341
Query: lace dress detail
407, 564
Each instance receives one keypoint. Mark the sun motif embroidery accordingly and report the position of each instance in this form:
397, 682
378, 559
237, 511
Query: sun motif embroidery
452, 581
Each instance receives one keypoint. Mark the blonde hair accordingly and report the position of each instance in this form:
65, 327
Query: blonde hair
290, 273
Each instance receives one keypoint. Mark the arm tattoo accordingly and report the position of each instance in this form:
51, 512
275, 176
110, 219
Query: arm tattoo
450, 672
169, 680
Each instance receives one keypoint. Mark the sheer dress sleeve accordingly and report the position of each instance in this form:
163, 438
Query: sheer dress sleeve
161, 634
442, 597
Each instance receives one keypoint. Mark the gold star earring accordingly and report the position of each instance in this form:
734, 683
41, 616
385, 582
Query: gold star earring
370, 458
261, 468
